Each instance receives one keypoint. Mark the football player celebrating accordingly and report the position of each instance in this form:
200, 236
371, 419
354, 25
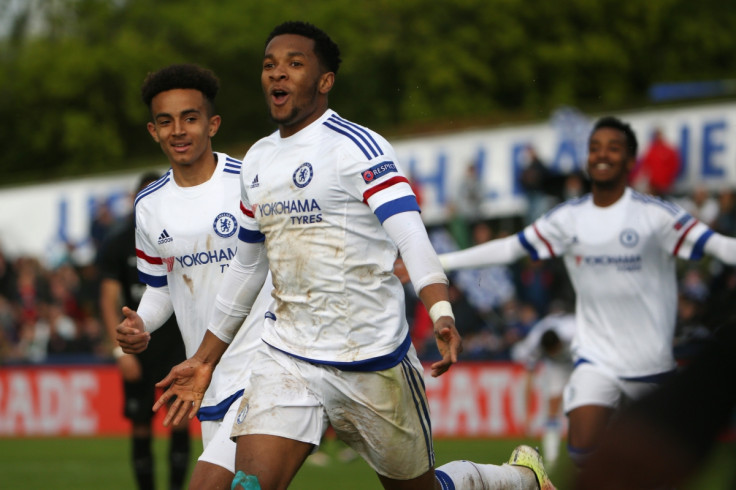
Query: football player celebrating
326, 206
620, 249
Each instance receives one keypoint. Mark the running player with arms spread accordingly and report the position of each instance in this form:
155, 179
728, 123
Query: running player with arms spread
620, 249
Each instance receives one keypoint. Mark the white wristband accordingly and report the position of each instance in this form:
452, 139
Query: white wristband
440, 308
117, 352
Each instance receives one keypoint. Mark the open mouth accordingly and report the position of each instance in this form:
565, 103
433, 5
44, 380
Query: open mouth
279, 96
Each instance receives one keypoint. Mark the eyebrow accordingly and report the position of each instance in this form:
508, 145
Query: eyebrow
290, 54
183, 113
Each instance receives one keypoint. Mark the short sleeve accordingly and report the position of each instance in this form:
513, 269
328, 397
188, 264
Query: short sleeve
547, 237
377, 179
682, 235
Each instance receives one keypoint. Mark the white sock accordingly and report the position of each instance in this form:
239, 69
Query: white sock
551, 442
468, 475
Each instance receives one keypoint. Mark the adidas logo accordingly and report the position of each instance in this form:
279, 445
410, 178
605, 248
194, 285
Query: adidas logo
164, 238
255, 183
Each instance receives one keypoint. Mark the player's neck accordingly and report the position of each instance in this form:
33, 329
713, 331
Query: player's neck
195, 173
604, 196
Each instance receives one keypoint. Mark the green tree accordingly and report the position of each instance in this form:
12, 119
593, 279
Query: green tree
70, 70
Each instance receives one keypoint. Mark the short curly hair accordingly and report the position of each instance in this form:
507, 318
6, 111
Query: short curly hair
632, 145
183, 76
325, 48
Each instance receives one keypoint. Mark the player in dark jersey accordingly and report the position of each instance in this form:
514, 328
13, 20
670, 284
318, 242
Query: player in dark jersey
140, 372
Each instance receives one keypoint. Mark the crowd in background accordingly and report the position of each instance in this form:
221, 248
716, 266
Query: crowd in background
52, 314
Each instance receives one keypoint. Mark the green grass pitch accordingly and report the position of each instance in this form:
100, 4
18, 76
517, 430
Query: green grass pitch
103, 463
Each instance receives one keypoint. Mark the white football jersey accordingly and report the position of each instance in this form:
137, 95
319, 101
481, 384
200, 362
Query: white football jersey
529, 350
185, 238
621, 261
319, 198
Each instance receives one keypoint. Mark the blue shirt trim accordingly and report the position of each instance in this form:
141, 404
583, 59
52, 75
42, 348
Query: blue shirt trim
528, 246
699, 247
444, 479
217, 412
374, 364
400, 205
153, 281
250, 236
153, 187
650, 378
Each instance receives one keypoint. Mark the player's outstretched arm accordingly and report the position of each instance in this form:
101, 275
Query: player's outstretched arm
722, 247
131, 334
187, 382
501, 251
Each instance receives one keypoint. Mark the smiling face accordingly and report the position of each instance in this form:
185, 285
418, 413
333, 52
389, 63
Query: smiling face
294, 83
183, 127
609, 161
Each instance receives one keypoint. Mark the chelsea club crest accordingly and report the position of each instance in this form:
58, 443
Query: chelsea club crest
629, 238
225, 225
303, 175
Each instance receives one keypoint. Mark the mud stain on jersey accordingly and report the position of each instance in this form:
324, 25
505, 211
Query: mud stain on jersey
188, 281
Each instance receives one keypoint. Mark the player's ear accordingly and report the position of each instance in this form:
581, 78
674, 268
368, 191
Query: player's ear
326, 81
214, 125
630, 164
152, 131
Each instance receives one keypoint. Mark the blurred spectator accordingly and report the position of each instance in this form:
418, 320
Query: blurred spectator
91, 338
465, 210
101, 223
59, 330
441, 239
8, 329
719, 307
537, 181
416, 188
691, 334
575, 185
467, 319
469, 195
7, 276
518, 318
31, 289
658, 168
64, 290
701, 204
725, 221
487, 288
52, 333
540, 282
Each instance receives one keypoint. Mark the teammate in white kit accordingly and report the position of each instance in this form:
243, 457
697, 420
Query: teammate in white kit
186, 235
326, 206
620, 249
546, 348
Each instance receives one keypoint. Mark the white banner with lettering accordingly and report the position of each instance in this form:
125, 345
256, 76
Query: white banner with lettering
42, 220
